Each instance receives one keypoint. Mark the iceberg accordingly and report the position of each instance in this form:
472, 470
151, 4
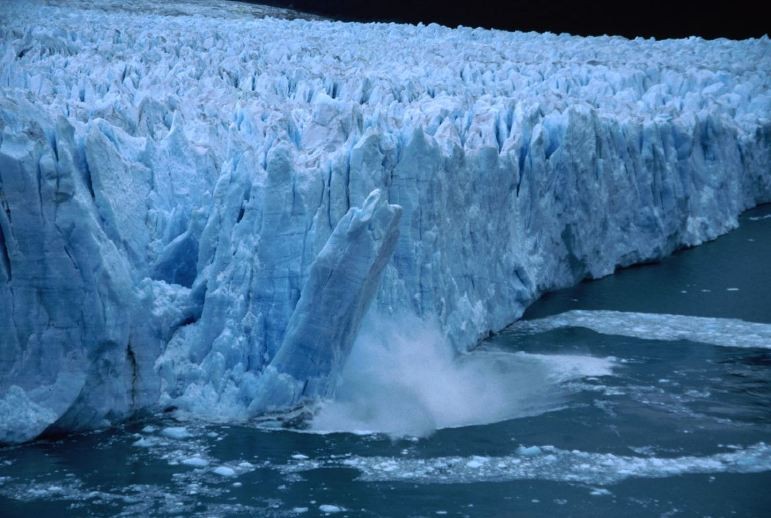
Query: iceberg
199, 207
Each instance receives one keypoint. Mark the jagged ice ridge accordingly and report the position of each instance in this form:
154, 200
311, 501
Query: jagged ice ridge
199, 206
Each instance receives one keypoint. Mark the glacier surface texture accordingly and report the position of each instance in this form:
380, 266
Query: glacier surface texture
199, 205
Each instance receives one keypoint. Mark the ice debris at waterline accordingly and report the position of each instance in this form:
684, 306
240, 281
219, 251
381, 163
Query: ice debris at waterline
725, 332
176, 185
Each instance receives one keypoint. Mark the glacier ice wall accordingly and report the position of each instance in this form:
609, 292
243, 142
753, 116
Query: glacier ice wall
178, 184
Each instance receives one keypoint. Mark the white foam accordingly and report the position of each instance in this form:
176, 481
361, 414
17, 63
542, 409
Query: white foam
406, 379
725, 332
549, 464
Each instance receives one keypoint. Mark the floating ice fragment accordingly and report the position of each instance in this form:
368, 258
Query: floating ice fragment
475, 462
224, 471
529, 451
195, 461
176, 432
146, 442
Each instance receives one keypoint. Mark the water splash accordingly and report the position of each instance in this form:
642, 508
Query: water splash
404, 378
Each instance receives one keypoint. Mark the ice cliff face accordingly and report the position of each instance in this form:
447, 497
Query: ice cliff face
199, 206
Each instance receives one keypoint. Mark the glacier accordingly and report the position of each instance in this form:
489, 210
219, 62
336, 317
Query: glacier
202, 201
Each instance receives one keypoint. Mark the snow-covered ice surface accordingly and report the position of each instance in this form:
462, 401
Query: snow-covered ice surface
177, 179
727, 332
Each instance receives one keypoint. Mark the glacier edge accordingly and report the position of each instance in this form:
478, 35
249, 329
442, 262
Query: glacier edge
166, 221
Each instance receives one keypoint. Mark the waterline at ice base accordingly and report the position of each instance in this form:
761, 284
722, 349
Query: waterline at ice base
224, 218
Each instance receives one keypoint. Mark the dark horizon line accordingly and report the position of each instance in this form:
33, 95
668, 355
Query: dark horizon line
660, 19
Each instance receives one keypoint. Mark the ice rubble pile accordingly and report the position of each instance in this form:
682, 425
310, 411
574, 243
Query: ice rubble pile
198, 209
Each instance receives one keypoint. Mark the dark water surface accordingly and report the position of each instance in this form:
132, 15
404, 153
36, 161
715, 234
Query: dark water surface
633, 427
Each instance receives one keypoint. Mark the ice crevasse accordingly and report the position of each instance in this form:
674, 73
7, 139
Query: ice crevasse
199, 206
